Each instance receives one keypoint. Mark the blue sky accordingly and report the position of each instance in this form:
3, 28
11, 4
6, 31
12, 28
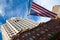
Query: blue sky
19, 8
12, 8
48, 4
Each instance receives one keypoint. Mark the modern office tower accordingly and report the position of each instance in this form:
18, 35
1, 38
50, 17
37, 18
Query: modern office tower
15, 25
56, 9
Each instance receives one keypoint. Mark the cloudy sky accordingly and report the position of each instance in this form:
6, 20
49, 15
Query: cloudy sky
19, 8
48, 4
12, 8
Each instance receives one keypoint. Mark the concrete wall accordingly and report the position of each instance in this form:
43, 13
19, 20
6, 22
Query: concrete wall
56, 9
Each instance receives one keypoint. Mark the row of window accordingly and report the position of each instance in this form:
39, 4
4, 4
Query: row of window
18, 26
8, 30
22, 24
14, 26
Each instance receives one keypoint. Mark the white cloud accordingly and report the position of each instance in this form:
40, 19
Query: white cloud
2, 12
48, 4
2, 6
43, 19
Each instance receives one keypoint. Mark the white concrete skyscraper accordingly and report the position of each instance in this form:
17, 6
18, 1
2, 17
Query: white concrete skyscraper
16, 25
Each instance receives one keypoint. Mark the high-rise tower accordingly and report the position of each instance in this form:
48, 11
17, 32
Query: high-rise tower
16, 25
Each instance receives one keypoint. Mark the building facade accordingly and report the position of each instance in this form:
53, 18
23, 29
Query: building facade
16, 25
56, 9
25, 29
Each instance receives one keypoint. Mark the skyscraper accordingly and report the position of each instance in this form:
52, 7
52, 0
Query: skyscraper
25, 29
16, 25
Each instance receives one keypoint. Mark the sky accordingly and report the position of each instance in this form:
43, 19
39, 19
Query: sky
19, 8
12, 8
48, 4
